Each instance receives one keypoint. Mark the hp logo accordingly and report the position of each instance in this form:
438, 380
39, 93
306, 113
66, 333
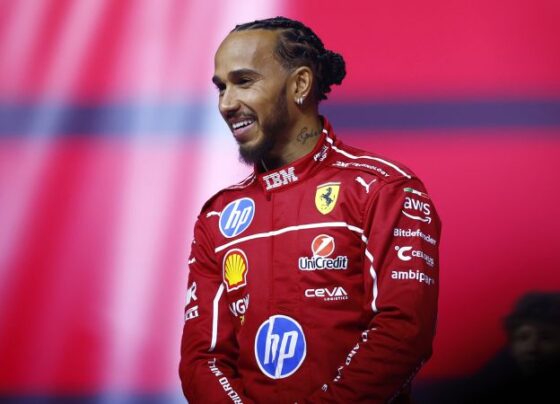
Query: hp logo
236, 217
280, 347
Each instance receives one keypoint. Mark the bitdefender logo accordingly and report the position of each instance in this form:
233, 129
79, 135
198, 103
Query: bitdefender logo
397, 232
322, 247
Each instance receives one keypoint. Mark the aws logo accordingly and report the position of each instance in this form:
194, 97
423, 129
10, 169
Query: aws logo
235, 268
417, 210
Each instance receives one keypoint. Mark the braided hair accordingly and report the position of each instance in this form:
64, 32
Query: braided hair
299, 46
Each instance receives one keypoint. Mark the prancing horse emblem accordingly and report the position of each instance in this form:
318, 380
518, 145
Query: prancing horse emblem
326, 197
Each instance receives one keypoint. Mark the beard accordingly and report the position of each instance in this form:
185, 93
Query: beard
273, 127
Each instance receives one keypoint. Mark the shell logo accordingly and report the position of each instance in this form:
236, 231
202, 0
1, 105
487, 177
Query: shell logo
235, 268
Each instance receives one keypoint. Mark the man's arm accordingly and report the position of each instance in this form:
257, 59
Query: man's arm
208, 347
401, 281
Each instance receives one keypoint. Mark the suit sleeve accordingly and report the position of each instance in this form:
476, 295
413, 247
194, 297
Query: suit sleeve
208, 348
401, 267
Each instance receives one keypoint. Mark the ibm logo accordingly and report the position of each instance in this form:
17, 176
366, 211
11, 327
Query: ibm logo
280, 347
279, 178
236, 217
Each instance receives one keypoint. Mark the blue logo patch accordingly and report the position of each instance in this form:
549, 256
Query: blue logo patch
236, 217
280, 347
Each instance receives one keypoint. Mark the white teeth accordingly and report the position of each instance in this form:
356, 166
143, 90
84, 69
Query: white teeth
238, 125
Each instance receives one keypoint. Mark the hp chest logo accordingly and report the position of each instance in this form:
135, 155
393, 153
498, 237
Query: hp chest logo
280, 347
236, 217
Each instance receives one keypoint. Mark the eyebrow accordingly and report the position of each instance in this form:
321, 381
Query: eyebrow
216, 80
236, 74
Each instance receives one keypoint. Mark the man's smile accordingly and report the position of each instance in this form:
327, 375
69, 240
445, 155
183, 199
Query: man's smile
241, 127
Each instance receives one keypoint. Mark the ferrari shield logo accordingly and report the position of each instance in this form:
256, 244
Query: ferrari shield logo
326, 196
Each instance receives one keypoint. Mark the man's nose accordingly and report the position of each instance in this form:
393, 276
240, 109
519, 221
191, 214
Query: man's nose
532, 344
228, 102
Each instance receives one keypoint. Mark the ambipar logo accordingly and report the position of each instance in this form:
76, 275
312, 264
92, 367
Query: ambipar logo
280, 347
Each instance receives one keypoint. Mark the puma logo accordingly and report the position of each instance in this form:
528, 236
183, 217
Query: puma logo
362, 182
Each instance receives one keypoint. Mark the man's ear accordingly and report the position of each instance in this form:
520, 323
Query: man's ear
301, 84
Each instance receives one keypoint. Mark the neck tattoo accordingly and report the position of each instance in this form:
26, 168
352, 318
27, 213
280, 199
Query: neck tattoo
306, 134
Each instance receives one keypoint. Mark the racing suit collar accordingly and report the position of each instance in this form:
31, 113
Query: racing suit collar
289, 174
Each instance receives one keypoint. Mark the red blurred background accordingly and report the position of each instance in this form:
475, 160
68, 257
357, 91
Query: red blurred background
110, 141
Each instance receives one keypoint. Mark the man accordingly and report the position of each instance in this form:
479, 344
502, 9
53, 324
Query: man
316, 278
533, 330
527, 370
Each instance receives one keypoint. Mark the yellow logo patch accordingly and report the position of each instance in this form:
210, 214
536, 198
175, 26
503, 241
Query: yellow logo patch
326, 196
235, 268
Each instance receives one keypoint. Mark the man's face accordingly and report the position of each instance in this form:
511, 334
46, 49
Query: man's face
536, 347
252, 91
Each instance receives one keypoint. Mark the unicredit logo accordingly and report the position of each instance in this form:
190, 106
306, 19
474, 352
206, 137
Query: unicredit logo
322, 247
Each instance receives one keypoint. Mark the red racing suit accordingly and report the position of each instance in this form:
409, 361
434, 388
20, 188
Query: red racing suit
315, 282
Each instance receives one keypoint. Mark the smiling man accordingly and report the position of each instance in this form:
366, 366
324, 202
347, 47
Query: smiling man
315, 279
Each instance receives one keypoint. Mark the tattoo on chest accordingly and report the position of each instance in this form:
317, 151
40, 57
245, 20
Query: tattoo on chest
306, 134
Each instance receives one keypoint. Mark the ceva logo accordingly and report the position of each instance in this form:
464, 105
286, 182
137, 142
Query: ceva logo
336, 293
236, 217
280, 347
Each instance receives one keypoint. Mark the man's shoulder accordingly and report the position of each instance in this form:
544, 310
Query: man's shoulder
351, 158
217, 201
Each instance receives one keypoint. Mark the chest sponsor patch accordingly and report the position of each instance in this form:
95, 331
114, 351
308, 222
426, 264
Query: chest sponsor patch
326, 197
328, 294
280, 347
322, 247
236, 217
235, 267
280, 178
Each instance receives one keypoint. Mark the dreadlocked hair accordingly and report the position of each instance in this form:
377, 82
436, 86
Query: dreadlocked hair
299, 46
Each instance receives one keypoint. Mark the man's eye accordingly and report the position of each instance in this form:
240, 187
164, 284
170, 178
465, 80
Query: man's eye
244, 81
